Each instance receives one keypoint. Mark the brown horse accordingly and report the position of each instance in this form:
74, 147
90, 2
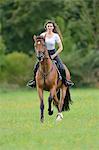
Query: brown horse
47, 78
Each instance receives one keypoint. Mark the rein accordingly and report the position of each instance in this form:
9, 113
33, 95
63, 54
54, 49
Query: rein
46, 74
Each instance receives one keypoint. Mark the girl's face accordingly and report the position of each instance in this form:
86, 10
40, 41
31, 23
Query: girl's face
49, 27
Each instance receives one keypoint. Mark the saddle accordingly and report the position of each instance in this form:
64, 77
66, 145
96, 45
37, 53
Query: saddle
59, 75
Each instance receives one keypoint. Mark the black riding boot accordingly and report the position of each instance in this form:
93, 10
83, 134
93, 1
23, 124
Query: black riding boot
65, 81
32, 83
61, 69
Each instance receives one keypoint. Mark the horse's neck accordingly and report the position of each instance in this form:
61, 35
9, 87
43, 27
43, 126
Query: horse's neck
46, 65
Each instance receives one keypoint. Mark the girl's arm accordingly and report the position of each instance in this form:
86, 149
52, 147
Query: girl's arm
60, 48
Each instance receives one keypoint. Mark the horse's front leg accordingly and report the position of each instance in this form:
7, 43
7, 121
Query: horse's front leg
40, 92
52, 93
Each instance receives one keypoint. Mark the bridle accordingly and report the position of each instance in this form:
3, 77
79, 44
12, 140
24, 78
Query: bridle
41, 55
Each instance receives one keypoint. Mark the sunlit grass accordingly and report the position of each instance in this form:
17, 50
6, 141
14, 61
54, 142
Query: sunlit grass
20, 128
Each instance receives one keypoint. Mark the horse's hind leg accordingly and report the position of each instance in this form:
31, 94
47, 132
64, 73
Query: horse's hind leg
56, 101
60, 115
64, 89
40, 92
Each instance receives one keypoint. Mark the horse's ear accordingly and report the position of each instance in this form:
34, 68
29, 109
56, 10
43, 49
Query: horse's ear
34, 37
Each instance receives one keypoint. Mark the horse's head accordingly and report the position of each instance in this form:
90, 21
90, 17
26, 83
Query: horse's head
40, 47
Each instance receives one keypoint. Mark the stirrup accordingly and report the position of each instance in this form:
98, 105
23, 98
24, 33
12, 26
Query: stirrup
60, 77
69, 83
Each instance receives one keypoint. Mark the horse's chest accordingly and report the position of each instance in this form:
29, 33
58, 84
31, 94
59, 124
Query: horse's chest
46, 84
46, 81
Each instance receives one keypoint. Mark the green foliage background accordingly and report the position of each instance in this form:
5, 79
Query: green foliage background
78, 21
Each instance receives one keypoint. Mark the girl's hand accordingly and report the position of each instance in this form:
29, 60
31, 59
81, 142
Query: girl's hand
53, 56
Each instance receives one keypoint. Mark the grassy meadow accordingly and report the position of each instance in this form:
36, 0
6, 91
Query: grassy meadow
20, 128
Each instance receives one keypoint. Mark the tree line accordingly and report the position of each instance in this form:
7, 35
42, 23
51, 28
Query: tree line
78, 22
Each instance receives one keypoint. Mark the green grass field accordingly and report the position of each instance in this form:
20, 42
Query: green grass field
20, 128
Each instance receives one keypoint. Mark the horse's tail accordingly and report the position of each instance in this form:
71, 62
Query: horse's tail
67, 101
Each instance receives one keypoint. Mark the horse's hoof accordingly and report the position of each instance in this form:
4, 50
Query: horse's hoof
50, 112
59, 117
